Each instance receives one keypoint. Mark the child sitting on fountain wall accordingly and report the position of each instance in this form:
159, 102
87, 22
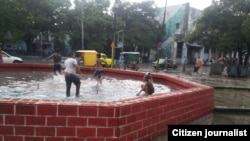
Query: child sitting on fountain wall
147, 87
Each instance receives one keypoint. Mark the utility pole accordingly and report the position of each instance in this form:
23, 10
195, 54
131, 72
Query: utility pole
82, 24
114, 32
41, 44
160, 43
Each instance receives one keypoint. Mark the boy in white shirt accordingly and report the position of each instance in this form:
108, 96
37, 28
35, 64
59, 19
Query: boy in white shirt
71, 71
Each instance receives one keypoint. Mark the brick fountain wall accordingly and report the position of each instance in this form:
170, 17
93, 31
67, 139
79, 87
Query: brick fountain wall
137, 119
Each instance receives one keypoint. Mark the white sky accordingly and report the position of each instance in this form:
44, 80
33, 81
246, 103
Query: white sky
199, 4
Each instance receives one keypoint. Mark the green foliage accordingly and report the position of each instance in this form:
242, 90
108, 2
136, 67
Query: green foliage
224, 26
140, 27
23, 20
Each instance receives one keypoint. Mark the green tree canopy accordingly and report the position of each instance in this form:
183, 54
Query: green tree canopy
224, 27
23, 20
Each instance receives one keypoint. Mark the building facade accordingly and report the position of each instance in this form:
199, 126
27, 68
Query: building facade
179, 20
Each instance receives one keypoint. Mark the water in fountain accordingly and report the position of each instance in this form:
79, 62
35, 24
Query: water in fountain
44, 85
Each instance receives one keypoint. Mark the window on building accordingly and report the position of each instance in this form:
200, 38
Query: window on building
177, 25
179, 49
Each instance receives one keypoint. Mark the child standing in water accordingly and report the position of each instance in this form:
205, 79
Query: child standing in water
98, 71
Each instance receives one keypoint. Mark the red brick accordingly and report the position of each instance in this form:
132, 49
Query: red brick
136, 108
72, 121
112, 122
126, 110
21, 130
98, 139
63, 131
146, 122
6, 108
97, 122
25, 109
1, 120
13, 138
35, 120
27, 138
105, 132
137, 125
142, 132
141, 115
132, 137
16, 120
106, 112
146, 105
126, 129
132, 118
45, 131
6, 130
46, 110
88, 111
67, 110
56, 121
76, 139
122, 120
86, 132
55, 139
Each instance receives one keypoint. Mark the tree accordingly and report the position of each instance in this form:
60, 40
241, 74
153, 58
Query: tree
23, 20
141, 28
97, 24
224, 27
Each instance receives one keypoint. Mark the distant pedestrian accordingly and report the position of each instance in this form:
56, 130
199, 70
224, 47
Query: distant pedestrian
57, 61
125, 61
121, 60
1, 55
184, 64
198, 65
71, 73
166, 62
